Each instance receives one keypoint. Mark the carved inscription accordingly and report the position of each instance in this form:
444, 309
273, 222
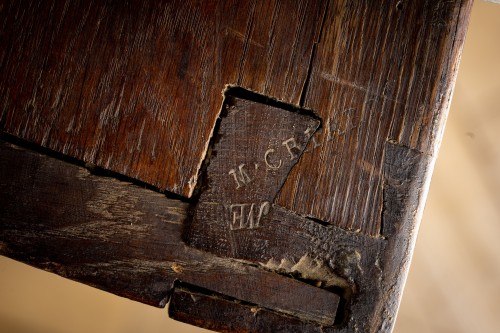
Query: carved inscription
313, 139
291, 144
241, 177
247, 215
267, 159
253, 154
240, 174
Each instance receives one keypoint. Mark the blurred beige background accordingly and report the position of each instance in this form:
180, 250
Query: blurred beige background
454, 282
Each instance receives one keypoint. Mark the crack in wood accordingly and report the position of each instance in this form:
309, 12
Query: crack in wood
266, 237
343, 217
307, 79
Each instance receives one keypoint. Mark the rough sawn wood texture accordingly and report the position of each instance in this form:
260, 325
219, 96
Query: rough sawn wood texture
382, 70
135, 87
126, 240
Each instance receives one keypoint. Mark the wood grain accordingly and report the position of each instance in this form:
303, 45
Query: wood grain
136, 87
125, 239
224, 315
383, 70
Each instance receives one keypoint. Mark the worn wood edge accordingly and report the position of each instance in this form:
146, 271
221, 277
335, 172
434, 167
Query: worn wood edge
443, 105
142, 270
220, 314
407, 174
205, 154
402, 239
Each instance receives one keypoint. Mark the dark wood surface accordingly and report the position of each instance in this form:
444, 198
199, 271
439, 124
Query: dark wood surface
328, 218
382, 71
126, 239
136, 87
205, 311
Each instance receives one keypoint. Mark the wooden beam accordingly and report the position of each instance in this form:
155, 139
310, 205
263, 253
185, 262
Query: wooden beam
221, 315
326, 217
125, 239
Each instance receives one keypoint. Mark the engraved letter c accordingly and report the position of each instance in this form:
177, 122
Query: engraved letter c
269, 165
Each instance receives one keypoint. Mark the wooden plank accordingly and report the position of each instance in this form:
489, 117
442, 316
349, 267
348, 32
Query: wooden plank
383, 70
135, 88
125, 239
224, 315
